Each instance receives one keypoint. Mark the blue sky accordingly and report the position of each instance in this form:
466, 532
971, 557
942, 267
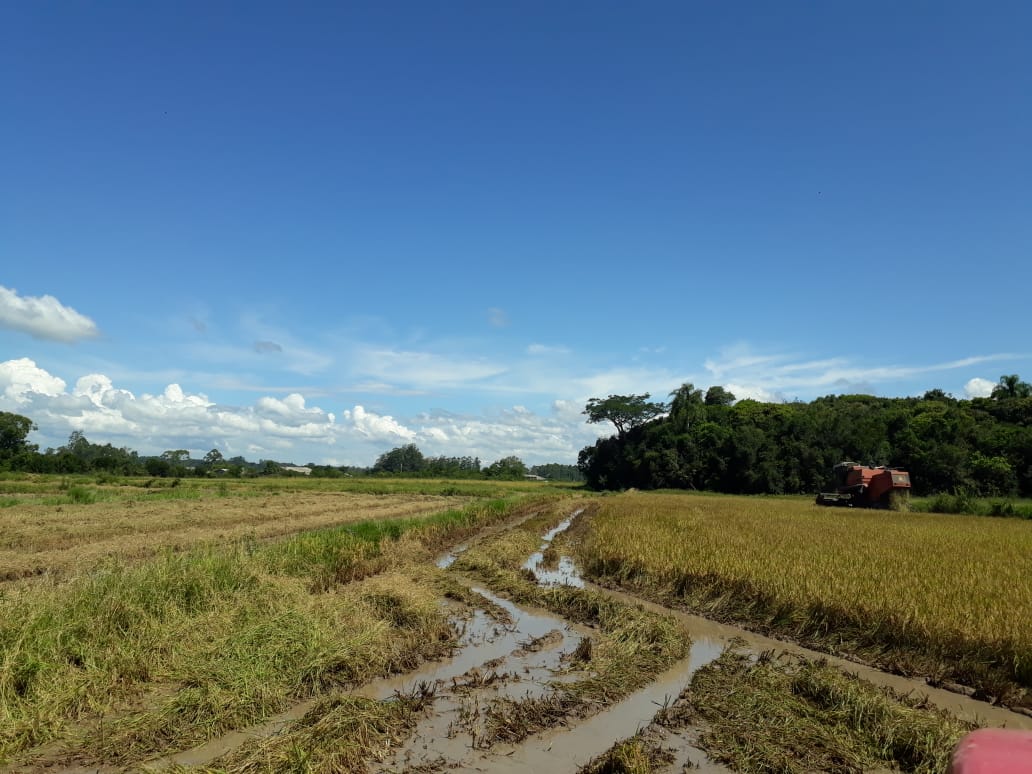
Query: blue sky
313, 232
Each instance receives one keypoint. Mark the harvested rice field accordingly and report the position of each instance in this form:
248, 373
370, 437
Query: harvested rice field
418, 630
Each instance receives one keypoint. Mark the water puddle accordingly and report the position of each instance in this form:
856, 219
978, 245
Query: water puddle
447, 559
566, 572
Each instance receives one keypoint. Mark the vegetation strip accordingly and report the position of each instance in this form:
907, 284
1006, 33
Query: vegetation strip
162, 655
342, 733
784, 714
943, 597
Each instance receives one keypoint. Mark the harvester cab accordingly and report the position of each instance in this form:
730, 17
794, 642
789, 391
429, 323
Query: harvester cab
866, 486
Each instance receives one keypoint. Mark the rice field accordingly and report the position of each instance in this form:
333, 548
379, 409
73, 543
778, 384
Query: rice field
131, 658
945, 596
59, 524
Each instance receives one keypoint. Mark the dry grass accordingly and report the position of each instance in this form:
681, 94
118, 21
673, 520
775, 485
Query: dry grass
36, 539
947, 596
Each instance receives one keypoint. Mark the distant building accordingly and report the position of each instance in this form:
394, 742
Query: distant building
304, 470
533, 477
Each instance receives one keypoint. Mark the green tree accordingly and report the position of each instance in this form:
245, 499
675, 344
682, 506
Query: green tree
506, 468
1011, 386
992, 475
214, 457
14, 432
718, 396
402, 459
158, 467
624, 411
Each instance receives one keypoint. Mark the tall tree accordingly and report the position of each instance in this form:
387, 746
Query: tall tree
718, 396
14, 431
1011, 386
402, 459
624, 411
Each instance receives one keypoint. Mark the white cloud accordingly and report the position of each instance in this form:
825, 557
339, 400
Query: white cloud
744, 392
19, 378
376, 427
978, 387
281, 427
423, 369
776, 376
291, 409
43, 317
497, 317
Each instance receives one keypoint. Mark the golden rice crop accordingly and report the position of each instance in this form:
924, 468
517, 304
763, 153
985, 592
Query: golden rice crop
956, 586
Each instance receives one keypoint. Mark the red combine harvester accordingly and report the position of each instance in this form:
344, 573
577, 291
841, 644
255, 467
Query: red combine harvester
861, 486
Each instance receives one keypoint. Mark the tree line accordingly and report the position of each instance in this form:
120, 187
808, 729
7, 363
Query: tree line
710, 441
79, 455
409, 460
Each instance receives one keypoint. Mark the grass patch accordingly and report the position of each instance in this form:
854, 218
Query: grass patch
963, 503
637, 755
342, 733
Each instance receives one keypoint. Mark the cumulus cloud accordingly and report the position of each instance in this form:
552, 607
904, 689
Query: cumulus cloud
978, 387
376, 427
752, 392
280, 427
43, 317
21, 378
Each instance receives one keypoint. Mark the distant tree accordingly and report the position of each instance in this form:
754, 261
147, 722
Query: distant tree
176, 456
78, 445
718, 396
506, 468
556, 471
157, 467
624, 411
402, 459
214, 457
269, 468
1011, 386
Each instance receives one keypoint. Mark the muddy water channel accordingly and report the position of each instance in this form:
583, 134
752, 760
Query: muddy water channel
532, 658
520, 653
